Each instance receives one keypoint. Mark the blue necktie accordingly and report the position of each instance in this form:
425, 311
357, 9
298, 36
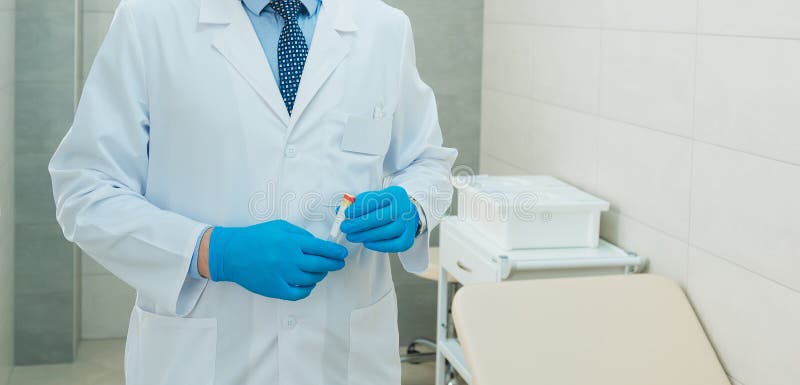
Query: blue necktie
292, 50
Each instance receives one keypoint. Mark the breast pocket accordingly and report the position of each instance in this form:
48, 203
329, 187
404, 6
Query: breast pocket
367, 135
164, 350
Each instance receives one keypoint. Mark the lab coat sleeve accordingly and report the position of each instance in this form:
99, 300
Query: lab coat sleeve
99, 172
417, 160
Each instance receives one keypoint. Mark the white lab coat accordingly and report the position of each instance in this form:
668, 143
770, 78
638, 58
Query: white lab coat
182, 126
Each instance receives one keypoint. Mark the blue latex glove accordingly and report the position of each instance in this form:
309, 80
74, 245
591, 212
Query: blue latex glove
384, 220
274, 259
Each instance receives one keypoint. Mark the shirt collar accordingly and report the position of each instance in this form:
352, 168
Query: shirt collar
257, 6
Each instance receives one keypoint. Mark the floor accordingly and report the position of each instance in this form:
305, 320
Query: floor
99, 362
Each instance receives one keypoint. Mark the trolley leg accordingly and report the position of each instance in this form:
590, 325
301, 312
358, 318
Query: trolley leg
441, 326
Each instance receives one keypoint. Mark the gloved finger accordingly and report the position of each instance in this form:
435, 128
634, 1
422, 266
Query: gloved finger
296, 293
399, 244
304, 278
316, 264
367, 202
390, 231
370, 220
316, 246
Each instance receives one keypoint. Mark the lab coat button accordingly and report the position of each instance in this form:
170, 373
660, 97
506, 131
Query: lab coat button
291, 322
291, 151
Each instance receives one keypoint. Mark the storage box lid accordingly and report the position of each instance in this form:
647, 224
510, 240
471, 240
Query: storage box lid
529, 192
467, 232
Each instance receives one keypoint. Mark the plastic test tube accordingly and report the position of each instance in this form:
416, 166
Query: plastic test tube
336, 234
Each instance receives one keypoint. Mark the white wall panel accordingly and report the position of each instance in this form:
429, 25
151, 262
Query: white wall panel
648, 79
653, 15
748, 93
508, 58
753, 322
646, 175
746, 209
768, 18
566, 67
667, 256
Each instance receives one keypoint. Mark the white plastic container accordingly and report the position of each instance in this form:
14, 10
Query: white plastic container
524, 212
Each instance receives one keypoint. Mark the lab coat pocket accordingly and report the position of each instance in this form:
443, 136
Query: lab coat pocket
165, 350
367, 135
374, 344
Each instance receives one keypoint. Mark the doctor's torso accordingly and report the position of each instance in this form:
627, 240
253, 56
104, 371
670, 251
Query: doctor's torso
223, 150
217, 119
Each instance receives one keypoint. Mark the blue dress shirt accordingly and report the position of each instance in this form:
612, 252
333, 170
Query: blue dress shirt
267, 25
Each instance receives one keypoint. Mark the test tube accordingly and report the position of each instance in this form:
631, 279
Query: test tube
336, 234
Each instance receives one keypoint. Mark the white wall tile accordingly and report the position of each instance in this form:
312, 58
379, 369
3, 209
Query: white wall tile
508, 58
566, 66
667, 256
95, 26
646, 174
508, 11
648, 79
7, 28
752, 322
580, 13
506, 126
493, 166
748, 93
563, 143
746, 208
106, 307
653, 15
771, 18
670, 189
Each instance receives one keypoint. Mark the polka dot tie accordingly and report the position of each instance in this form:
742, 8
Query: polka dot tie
292, 50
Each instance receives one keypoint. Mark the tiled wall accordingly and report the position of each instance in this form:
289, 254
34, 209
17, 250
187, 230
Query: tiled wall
448, 41
45, 265
7, 25
684, 114
106, 301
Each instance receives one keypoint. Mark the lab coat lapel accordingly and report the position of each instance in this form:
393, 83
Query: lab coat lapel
327, 50
239, 44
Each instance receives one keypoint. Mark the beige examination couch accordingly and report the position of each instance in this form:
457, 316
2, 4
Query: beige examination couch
612, 330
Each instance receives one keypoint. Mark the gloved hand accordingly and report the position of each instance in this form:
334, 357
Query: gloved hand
384, 220
274, 259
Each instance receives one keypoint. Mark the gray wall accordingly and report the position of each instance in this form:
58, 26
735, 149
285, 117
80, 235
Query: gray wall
448, 35
7, 17
45, 266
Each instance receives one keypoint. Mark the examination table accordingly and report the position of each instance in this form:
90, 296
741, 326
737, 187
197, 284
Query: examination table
610, 330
